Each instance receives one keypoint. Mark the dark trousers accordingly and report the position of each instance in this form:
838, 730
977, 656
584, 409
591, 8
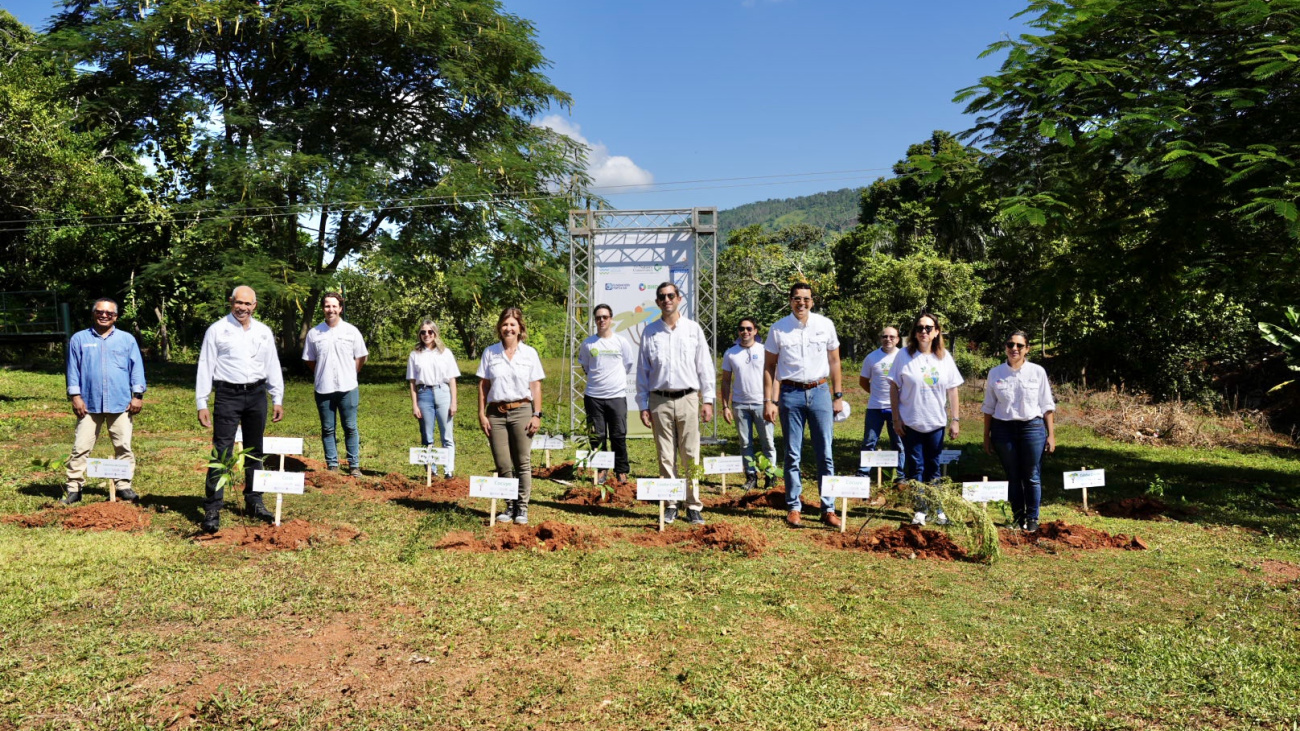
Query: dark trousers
236, 408
608, 419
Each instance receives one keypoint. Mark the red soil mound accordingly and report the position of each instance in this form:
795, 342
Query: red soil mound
286, 537
549, 536
752, 499
905, 541
561, 471
120, 515
1141, 508
723, 536
318, 474
1060, 533
616, 493
394, 486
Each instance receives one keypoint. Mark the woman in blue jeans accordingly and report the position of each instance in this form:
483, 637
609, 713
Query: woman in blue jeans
431, 370
1019, 425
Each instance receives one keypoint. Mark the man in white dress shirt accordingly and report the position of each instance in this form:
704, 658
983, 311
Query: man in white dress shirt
238, 364
674, 374
335, 352
802, 379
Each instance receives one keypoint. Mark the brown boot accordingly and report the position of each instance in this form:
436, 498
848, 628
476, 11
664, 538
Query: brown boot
792, 518
830, 518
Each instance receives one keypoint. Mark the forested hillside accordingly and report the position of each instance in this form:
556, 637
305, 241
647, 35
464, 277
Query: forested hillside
836, 211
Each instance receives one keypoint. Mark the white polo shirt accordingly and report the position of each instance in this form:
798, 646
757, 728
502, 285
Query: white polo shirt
429, 367
235, 355
876, 370
923, 382
674, 359
607, 363
1011, 395
510, 377
335, 350
801, 347
746, 368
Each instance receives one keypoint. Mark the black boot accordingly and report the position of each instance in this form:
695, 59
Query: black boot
212, 511
254, 508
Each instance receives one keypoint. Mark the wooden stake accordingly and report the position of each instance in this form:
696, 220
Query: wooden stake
492, 517
279, 502
724, 483
880, 476
548, 458
661, 516
112, 490
844, 519
281, 468
1085, 496
428, 472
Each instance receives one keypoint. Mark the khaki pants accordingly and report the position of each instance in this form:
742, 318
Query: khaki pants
512, 447
676, 425
88, 426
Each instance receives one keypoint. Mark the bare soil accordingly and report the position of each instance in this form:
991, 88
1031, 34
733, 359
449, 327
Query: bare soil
1279, 572
395, 486
617, 492
318, 473
1058, 533
561, 471
289, 536
774, 498
1133, 508
722, 536
120, 515
549, 536
905, 541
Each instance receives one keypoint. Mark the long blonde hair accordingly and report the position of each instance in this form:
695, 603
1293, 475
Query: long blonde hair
437, 337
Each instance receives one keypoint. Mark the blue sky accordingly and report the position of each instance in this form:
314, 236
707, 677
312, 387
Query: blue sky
800, 96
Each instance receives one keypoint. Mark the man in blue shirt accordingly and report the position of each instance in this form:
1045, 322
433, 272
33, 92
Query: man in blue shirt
106, 387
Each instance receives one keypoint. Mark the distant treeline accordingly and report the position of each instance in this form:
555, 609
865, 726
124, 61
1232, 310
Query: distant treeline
836, 211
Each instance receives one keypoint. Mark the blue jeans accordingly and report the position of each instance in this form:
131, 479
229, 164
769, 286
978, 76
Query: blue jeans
876, 418
922, 459
812, 407
345, 403
750, 427
435, 405
1020, 446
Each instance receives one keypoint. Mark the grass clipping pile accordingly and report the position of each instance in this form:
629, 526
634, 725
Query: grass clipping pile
120, 516
289, 536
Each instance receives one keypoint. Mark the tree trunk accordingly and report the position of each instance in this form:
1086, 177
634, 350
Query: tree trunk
164, 344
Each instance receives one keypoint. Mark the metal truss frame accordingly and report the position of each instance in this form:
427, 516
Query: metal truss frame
584, 225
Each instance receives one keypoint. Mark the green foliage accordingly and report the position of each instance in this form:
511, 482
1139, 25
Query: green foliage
766, 467
972, 523
227, 465
756, 270
1286, 339
834, 211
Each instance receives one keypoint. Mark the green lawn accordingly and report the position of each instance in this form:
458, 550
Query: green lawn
151, 630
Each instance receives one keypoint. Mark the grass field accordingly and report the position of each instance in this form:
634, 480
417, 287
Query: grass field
150, 629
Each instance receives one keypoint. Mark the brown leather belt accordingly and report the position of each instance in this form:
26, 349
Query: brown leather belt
505, 407
803, 386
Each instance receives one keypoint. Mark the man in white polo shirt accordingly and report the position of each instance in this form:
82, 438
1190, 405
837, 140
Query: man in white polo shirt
335, 352
674, 374
802, 380
607, 359
742, 399
874, 379
238, 364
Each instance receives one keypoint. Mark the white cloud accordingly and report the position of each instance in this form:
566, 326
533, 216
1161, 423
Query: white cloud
606, 170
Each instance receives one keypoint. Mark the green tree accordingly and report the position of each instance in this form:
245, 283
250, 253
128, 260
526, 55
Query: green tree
293, 137
757, 267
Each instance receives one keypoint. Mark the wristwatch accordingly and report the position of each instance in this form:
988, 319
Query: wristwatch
138, 395
839, 395
537, 414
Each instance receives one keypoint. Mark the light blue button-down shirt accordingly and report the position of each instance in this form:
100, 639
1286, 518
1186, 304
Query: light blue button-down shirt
105, 371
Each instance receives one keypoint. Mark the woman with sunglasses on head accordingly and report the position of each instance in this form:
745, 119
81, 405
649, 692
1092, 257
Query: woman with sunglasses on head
922, 392
431, 370
510, 406
1019, 425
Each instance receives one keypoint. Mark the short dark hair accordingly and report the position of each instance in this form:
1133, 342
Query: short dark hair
798, 286
744, 320
606, 308
117, 309
659, 289
331, 295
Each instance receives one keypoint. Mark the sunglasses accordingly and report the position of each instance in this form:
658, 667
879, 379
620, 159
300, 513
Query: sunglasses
747, 329
603, 317
426, 332
925, 328
667, 297
105, 313
1017, 346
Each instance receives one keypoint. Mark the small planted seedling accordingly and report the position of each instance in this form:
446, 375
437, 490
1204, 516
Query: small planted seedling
768, 469
228, 465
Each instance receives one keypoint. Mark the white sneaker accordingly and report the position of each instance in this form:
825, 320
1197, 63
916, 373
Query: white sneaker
941, 518
918, 518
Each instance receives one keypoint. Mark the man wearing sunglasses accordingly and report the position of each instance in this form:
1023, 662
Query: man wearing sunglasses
874, 379
607, 359
742, 397
802, 379
674, 374
105, 379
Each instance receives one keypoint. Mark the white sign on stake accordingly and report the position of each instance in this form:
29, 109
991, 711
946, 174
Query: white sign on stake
494, 487
430, 455
984, 492
949, 456
281, 445
724, 465
599, 460
113, 469
878, 459
286, 483
1083, 479
547, 443
846, 486
661, 489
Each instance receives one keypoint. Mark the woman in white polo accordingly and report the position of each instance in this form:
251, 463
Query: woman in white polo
510, 406
1019, 425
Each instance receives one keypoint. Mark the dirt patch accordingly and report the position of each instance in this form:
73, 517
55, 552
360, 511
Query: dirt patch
396, 486
120, 515
747, 500
616, 493
1279, 572
549, 536
289, 536
905, 541
1133, 508
1059, 533
561, 471
722, 536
